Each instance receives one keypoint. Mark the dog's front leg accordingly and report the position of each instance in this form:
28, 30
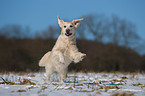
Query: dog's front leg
60, 56
76, 56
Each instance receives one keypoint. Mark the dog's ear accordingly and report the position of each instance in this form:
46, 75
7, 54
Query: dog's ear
60, 22
77, 22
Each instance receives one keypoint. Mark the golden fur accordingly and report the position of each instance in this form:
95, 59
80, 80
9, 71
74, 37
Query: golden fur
64, 51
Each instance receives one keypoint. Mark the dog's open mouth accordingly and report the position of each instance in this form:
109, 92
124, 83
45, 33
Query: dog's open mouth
68, 34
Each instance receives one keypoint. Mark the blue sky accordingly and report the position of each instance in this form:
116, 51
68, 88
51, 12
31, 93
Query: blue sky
39, 14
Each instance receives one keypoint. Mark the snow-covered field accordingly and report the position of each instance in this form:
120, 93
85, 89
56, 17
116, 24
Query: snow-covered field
78, 84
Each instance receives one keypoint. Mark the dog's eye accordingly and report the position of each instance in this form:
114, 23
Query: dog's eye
64, 26
71, 26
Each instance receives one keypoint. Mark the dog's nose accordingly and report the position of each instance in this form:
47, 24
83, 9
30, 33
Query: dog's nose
67, 30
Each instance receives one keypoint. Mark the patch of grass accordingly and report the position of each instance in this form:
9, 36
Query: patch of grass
123, 94
137, 84
26, 81
70, 88
104, 81
98, 92
43, 88
79, 85
32, 87
124, 77
21, 90
115, 80
109, 87
87, 91
7, 82
104, 75
31, 75
12, 91
22, 82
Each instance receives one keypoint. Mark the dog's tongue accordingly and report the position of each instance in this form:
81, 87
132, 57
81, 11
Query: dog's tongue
68, 34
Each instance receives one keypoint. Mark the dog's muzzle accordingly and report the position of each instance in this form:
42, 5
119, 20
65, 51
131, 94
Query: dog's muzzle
68, 32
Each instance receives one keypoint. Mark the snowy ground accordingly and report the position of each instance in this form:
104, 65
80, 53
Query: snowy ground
78, 84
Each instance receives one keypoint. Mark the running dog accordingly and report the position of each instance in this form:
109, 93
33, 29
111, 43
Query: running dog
64, 51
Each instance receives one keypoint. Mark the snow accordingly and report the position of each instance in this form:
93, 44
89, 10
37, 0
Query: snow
78, 84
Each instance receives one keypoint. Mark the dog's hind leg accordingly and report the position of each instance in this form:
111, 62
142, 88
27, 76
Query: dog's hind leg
49, 71
48, 77
63, 75
44, 59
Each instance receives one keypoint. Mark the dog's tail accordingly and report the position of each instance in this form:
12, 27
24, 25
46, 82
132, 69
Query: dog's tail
44, 59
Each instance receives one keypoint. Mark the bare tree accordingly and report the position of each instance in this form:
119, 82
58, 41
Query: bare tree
81, 31
15, 31
115, 30
97, 26
115, 33
123, 32
129, 34
51, 32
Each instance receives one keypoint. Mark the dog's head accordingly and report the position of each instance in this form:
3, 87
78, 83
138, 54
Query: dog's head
69, 28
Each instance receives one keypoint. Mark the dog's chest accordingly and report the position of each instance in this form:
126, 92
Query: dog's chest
66, 49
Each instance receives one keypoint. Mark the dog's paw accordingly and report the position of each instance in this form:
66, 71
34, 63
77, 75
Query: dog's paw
79, 57
83, 56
